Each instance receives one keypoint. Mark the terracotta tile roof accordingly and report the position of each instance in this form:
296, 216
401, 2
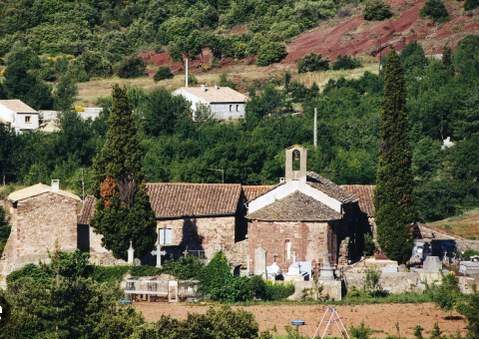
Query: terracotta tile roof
330, 188
295, 207
32, 191
18, 106
215, 94
251, 192
176, 200
365, 193
87, 211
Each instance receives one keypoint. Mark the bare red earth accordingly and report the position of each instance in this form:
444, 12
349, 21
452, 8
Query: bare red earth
355, 36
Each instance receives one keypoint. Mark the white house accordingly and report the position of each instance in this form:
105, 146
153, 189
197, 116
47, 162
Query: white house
224, 103
18, 115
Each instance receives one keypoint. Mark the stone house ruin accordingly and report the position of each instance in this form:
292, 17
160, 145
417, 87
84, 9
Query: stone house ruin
304, 218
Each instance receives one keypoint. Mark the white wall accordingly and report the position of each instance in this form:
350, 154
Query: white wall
6, 115
221, 111
21, 124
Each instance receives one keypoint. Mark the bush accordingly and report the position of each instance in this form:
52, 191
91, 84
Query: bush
376, 10
163, 73
312, 62
346, 62
371, 282
436, 10
361, 332
471, 4
188, 267
110, 274
270, 52
131, 67
144, 271
468, 254
278, 291
447, 293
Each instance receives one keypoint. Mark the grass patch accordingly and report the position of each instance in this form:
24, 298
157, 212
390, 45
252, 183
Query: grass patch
465, 225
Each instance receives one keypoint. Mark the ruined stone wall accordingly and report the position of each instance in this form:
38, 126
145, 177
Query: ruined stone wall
210, 235
309, 241
40, 225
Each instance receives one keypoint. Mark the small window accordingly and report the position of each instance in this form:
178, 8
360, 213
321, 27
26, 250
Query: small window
231, 108
27, 119
166, 236
237, 108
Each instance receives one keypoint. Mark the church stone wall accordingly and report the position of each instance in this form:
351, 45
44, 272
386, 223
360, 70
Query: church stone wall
40, 225
310, 241
210, 234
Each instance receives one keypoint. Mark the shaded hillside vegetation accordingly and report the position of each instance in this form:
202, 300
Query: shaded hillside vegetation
96, 35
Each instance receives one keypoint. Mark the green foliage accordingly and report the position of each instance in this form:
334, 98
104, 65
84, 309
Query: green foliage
270, 53
371, 282
346, 62
312, 63
65, 93
393, 196
21, 82
163, 73
469, 5
418, 332
4, 229
436, 10
467, 254
376, 10
216, 278
217, 323
436, 332
369, 245
447, 294
123, 213
110, 274
131, 67
413, 57
361, 332
187, 267
470, 309
59, 300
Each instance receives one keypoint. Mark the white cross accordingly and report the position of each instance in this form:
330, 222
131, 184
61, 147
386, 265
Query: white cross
158, 252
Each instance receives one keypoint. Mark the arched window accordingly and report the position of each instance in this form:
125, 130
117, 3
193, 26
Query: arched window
287, 250
296, 160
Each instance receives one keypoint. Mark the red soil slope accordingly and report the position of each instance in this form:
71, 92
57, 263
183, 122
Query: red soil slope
355, 36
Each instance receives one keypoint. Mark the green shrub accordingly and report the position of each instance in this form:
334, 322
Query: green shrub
447, 294
278, 291
4, 230
371, 282
361, 332
312, 62
109, 274
144, 270
471, 4
216, 278
29, 271
346, 62
270, 52
436, 10
376, 10
469, 253
163, 73
470, 309
131, 67
188, 267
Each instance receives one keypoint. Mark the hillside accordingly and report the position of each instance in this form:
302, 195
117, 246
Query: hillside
465, 225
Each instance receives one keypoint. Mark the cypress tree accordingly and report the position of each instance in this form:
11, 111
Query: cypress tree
123, 211
394, 181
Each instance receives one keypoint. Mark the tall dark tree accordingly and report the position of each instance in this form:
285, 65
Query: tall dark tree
394, 182
65, 93
123, 210
21, 83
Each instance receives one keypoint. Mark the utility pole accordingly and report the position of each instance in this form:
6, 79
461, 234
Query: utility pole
315, 132
186, 72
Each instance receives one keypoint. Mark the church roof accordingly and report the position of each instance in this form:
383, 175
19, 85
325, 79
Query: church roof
251, 192
296, 206
365, 194
215, 94
177, 200
330, 188
32, 191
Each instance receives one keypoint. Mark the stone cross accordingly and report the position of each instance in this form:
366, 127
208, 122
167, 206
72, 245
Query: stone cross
131, 254
158, 252
185, 252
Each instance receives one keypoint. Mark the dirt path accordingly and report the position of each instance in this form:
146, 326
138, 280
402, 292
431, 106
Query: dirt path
382, 318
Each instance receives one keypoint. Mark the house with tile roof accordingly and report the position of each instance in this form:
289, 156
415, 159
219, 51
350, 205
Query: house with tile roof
221, 103
18, 115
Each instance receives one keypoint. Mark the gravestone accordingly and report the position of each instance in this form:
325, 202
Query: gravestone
432, 264
260, 261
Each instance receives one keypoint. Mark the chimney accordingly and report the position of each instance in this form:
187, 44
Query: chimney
55, 185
